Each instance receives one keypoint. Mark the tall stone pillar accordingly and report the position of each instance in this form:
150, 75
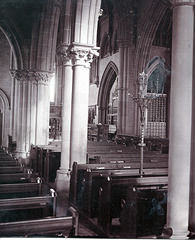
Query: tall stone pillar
14, 106
63, 176
180, 118
120, 91
82, 56
22, 78
32, 110
42, 108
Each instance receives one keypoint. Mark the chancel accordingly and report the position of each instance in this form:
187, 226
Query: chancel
97, 119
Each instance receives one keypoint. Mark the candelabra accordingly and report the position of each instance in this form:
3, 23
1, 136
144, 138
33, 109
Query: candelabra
143, 100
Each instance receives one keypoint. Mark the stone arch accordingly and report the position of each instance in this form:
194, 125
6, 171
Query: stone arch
157, 12
5, 99
14, 45
5, 111
45, 28
108, 78
158, 66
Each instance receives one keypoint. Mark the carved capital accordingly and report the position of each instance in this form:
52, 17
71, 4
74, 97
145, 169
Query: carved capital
21, 76
24, 76
41, 77
64, 56
83, 55
182, 2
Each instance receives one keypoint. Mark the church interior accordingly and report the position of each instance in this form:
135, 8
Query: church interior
97, 106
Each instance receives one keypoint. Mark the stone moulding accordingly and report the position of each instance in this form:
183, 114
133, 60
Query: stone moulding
32, 76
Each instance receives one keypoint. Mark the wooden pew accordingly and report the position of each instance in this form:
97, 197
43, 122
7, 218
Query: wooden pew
153, 144
11, 144
140, 197
45, 160
19, 209
46, 227
51, 164
11, 169
6, 157
18, 190
8, 163
86, 179
34, 158
18, 178
103, 157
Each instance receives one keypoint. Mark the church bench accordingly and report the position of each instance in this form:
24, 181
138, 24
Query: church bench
103, 156
11, 169
110, 148
19, 209
45, 227
130, 201
45, 160
121, 165
18, 190
51, 164
159, 144
6, 157
88, 199
8, 163
4, 153
126, 160
133, 159
86, 179
18, 177
34, 158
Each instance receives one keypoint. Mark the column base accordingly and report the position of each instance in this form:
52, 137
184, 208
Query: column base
180, 234
63, 181
23, 157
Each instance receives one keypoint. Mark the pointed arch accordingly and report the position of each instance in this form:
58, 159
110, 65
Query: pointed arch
157, 117
14, 45
5, 100
157, 69
5, 116
157, 11
109, 76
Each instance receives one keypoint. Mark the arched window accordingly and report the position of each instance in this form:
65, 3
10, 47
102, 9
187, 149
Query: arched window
157, 110
113, 104
107, 97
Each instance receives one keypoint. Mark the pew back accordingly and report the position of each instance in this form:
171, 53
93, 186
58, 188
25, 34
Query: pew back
20, 190
19, 209
18, 178
134, 191
58, 226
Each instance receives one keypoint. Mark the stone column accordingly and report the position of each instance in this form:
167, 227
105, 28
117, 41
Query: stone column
14, 106
82, 56
42, 107
180, 118
120, 91
63, 176
24, 142
22, 77
32, 110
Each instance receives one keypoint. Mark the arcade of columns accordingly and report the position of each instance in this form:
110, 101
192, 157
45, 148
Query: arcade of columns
32, 102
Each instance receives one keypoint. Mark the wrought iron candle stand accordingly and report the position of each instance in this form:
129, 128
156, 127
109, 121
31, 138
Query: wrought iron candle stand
143, 100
